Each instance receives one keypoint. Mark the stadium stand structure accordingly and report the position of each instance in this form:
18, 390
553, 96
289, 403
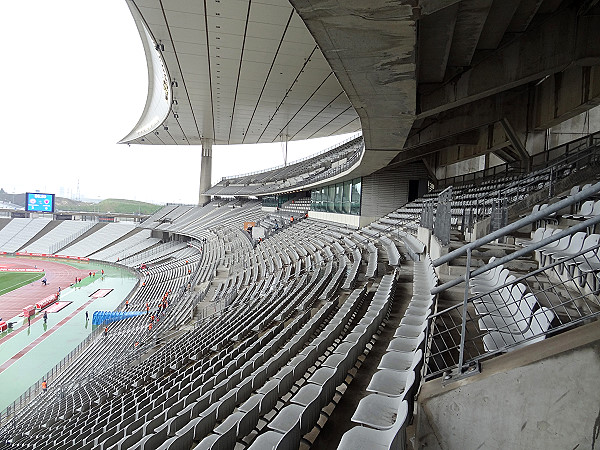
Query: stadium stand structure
295, 175
456, 291
62, 232
262, 339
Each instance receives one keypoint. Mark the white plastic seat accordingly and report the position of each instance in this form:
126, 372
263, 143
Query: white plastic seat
587, 259
400, 361
503, 296
488, 274
574, 247
503, 277
409, 331
595, 210
535, 237
273, 440
540, 323
306, 394
391, 382
516, 322
406, 345
360, 438
377, 411
585, 211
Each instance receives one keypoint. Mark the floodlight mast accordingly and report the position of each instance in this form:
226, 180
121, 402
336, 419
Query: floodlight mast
205, 171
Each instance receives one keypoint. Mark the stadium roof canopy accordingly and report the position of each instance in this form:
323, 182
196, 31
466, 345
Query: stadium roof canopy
235, 71
422, 79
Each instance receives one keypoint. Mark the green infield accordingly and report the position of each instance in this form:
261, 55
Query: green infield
9, 281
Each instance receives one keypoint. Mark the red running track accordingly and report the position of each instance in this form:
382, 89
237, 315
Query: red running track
57, 274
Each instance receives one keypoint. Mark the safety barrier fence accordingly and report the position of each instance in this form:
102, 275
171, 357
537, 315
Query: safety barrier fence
142, 256
344, 142
64, 242
522, 311
498, 318
11, 411
575, 152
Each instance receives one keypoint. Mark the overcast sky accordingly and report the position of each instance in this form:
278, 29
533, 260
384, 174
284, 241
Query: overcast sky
74, 83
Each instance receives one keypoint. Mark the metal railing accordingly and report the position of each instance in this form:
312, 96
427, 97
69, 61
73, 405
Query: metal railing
517, 311
35, 389
64, 242
275, 187
160, 247
574, 152
12, 410
306, 158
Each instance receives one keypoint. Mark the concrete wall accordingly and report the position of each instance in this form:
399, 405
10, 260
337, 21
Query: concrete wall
460, 168
543, 396
436, 250
579, 126
387, 190
343, 219
424, 235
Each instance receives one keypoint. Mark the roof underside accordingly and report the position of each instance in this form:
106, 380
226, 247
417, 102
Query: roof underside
240, 72
420, 77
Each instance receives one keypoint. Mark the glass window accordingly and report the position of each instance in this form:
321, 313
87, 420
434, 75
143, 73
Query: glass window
347, 197
355, 198
330, 198
342, 198
338, 198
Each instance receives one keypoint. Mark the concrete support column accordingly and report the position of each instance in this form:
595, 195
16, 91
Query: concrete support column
205, 171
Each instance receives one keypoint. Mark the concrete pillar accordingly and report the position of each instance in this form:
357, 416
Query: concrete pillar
205, 171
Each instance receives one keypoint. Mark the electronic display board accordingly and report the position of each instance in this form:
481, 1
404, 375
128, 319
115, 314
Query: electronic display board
38, 202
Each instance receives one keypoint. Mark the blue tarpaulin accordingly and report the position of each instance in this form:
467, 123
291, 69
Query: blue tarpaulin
104, 317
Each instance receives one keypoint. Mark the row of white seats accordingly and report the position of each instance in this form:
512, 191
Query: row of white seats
384, 413
508, 316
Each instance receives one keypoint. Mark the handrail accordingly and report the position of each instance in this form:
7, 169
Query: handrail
519, 224
536, 245
443, 355
314, 155
586, 141
280, 188
69, 239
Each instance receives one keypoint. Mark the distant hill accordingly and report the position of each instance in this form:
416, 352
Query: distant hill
113, 205
17, 199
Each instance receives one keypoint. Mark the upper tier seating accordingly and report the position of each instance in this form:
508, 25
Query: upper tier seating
320, 166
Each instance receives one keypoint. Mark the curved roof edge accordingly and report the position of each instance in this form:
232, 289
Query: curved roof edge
160, 93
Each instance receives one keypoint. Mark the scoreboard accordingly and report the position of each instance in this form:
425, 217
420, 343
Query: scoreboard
38, 202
